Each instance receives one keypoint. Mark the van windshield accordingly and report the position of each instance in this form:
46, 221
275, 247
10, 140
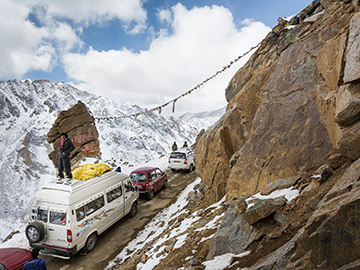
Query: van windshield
138, 177
178, 155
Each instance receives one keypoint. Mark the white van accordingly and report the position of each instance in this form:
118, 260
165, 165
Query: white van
66, 216
182, 159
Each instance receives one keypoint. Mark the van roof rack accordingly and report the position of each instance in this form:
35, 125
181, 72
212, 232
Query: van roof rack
74, 185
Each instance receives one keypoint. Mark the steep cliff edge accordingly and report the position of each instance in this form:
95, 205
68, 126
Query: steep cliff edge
291, 108
293, 112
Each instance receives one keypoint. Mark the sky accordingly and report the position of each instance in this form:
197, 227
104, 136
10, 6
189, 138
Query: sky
143, 52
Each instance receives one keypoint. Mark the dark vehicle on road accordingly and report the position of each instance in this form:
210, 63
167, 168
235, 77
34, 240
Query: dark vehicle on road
14, 258
148, 180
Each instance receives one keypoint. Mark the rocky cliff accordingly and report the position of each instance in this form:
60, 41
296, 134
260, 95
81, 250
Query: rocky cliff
293, 112
291, 108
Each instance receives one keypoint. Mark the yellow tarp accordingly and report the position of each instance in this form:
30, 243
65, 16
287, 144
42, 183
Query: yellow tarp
88, 171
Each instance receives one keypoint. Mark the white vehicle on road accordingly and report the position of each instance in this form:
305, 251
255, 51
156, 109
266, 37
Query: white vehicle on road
182, 159
66, 216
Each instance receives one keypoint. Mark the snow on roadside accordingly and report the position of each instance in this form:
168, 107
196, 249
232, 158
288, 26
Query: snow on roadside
153, 230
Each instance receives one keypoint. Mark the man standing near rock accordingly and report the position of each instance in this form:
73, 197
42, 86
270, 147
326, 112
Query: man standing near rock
66, 146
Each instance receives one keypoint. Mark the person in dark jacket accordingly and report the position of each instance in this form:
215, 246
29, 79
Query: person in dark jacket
174, 146
66, 146
35, 263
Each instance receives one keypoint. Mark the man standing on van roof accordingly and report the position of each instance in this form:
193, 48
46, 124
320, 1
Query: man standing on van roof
35, 263
66, 146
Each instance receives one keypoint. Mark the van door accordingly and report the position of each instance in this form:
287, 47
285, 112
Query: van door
57, 229
129, 193
115, 207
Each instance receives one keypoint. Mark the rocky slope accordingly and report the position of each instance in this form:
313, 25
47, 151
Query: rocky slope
292, 121
293, 108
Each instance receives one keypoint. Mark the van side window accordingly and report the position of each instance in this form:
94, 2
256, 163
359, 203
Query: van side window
114, 194
80, 213
57, 218
94, 205
42, 215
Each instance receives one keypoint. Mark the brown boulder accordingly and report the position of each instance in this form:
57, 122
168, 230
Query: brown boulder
280, 184
349, 143
79, 123
263, 209
348, 104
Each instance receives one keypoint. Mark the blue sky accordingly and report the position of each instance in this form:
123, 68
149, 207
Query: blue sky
135, 51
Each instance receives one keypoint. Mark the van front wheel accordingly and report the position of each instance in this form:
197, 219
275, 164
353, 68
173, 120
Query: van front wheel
91, 242
133, 210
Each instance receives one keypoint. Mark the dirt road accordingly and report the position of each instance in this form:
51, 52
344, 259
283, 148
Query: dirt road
112, 241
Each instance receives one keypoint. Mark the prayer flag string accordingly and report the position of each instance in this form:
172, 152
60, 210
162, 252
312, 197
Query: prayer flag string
295, 20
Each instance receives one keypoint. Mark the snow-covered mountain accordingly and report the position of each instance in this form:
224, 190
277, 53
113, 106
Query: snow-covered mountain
29, 109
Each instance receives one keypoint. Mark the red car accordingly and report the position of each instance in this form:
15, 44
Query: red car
148, 180
14, 258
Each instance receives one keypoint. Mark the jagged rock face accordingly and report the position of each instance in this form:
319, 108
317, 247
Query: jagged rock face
330, 238
215, 156
292, 106
79, 123
233, 236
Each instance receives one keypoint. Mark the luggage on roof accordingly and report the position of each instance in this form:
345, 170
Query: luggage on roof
88, 171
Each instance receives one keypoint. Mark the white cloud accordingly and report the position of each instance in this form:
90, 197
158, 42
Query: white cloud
87, 12
26, 46
203, 40
20, 40
164, 15
65, 37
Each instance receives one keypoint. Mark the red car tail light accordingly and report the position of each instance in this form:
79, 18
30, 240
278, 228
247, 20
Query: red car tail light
169, 160
185, 161
69, 236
